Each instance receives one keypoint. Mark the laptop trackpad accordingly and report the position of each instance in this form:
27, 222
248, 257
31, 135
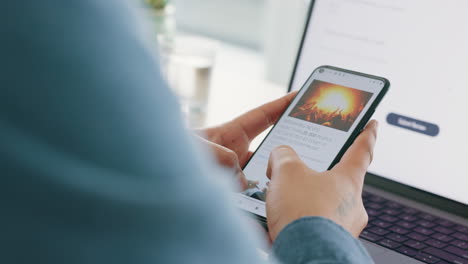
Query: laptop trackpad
383, 255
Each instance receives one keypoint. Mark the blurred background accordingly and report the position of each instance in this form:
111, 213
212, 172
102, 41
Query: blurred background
224, 57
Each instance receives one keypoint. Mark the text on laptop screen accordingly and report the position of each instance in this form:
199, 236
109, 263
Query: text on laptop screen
421, 47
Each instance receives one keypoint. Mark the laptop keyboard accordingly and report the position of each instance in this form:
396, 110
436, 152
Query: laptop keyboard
413, 233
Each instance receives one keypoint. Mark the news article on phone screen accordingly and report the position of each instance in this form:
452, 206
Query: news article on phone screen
329, 110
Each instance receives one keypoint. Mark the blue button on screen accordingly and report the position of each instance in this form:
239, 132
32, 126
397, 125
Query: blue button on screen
413, 124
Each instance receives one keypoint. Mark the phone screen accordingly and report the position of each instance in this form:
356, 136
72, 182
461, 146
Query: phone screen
317, 124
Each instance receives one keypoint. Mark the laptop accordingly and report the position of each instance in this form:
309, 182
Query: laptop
416, 192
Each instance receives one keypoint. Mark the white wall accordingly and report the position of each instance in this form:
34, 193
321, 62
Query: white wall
272, 27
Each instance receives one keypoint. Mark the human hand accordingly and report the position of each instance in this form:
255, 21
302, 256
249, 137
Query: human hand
230, 141
297, 191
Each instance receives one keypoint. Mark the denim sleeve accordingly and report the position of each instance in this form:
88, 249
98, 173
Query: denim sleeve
316, 240
96, 164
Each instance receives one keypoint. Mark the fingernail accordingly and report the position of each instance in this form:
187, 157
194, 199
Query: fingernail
282, 147
282, 150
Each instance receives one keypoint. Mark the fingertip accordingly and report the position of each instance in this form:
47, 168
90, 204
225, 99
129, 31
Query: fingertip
290, 96
242, 180
268, 172
361, 153
373, 124
282, 149
278, 154
373, 127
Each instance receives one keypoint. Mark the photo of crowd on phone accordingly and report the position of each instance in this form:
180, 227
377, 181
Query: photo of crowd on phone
331, 105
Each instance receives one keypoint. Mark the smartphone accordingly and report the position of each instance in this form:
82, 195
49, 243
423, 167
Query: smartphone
322, 121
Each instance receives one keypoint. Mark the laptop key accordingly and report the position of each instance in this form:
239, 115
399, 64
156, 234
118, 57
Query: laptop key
444, 230
460, 244
435, 243
381, 224
457, 251
388, 218
445, 223
407, 251
373, 206
379, 231
423, 231
427, 217
372, 212
417, 236
442, 237
415, 244
439, 253
393, 212
370, 236
410, 211
463, 229
408, 217
399, 230
426, 224
461, 236
426, 258
389, 243
405, 224
396, 237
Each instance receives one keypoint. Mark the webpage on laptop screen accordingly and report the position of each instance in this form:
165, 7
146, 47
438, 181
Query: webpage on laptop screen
421, 48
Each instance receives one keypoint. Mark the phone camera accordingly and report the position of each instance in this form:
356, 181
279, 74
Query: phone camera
321, 70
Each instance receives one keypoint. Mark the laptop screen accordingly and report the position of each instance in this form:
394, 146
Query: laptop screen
421, 46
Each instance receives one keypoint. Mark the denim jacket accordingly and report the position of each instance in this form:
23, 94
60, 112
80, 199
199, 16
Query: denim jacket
95, 162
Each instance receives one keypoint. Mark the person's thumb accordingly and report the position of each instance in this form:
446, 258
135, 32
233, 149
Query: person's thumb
282, 158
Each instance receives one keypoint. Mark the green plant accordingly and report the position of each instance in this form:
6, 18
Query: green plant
157, 4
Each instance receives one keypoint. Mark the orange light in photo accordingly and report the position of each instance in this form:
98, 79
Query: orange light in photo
331, 105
